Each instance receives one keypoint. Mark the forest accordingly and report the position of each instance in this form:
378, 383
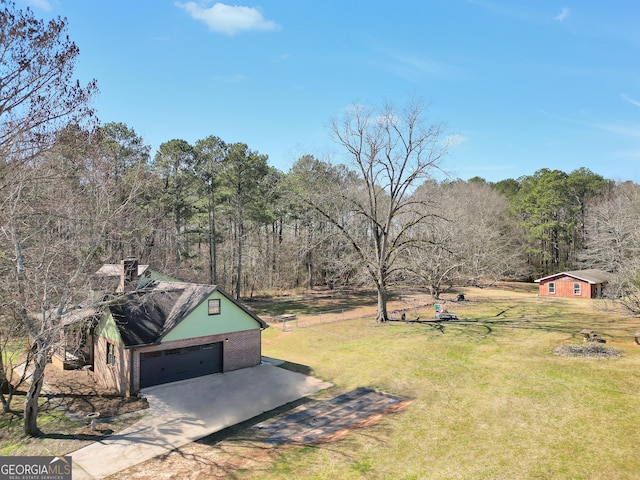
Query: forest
218, 213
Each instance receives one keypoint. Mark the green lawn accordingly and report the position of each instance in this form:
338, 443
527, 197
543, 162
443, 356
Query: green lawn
491, 400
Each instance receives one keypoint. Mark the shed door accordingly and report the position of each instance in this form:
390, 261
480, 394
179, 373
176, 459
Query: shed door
171, 365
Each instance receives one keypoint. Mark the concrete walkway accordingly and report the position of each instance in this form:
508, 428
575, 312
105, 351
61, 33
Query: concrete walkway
186, 411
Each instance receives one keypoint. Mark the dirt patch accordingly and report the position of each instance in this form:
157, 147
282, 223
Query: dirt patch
340, 306
256, 444
588, 350
77, 393
66, 398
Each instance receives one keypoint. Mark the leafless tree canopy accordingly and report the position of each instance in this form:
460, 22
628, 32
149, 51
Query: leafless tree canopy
392, 151
39, 94
37, 233
613, 242
467, 240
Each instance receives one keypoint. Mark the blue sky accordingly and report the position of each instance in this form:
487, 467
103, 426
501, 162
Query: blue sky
519, 85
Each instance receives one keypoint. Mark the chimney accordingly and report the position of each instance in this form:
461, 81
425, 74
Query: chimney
129, 274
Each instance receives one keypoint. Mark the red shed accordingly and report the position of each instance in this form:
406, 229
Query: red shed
579, 283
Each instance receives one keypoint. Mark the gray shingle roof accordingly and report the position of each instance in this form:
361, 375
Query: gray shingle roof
592, 275
147, 315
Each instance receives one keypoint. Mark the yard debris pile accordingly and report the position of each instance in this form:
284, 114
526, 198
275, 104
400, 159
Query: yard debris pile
588, 350
332, 419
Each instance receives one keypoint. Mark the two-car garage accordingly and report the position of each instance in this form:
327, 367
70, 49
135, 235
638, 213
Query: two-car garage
171, 365
173, 331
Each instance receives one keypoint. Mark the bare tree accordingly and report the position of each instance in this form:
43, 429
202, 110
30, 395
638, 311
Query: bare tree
613, 243
468, 240
39, 95
624, 287
613, 238
392, 152
486, 238
56, 215
434, 259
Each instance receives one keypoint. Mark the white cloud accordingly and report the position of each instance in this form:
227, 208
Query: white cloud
410, 66
624, 129
631, 130
414, 68
564, 13
227, 19
39, 4
455, 140
626, 98
235, 78
635, 154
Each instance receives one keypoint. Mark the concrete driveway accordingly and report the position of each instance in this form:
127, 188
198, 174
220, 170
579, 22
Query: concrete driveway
186, 411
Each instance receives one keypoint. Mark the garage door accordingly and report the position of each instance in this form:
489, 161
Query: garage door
165, 366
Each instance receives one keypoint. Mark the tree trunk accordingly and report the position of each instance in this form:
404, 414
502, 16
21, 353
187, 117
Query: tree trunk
6, 401
177, 233
213, 275
382, 315
274, 254
239, 273
6, 387
31, 400
309, 259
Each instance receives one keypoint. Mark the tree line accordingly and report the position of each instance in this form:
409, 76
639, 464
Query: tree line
218, 213
212, 212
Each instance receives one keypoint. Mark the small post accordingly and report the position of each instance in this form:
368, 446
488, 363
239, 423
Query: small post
92, 417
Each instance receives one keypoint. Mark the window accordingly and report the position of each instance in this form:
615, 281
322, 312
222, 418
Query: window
111, 354
552, 288
577, 289
214, 306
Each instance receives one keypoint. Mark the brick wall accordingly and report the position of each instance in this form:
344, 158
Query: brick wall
239, 350
564, 288
242, 350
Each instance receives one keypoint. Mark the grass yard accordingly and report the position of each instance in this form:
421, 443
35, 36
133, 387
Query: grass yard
491, 400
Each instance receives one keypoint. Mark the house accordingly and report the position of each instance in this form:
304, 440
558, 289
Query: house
127, 275
74, 348
579, 283
167, 331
